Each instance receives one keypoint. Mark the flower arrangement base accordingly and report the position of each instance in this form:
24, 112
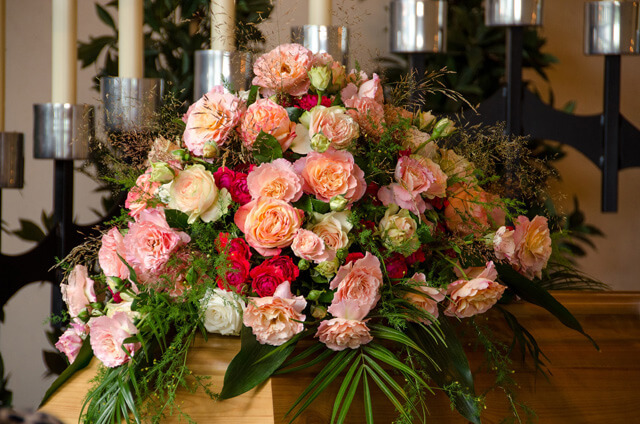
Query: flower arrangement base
587, 386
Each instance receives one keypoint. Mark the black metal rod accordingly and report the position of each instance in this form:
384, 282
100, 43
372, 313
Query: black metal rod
611, 136
514, 80
63, 218
0, 221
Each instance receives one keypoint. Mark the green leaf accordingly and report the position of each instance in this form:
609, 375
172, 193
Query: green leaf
247, 369
253, 95
343, 389
266, 148
368, 408
82, 360
320, 206
350, 394
177, 219
105, 16
294, 113
534, 293
387, 392
304, 203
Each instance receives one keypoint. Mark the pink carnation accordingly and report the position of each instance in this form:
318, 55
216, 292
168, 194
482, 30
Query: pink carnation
268, 116
108, 336
112, 249
139, 195
284, 69
339, 333
359, 281
78, 294
473, 297
277, 180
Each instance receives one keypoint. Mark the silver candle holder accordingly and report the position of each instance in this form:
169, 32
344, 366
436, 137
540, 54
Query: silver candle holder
220, 67
513, 13
324, 39
130, 104
612, 28
11, 160
62, 131
418, 26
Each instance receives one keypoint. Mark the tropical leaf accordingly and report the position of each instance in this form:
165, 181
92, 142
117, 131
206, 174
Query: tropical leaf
82, 360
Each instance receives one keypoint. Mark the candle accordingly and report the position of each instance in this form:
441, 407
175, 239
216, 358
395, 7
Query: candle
223, 23
320, 12
2, 46
131, 39
63, 51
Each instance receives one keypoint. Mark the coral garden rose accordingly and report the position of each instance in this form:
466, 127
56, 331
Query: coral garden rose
397, 228
330, 174
150, 243
471, 209
141, 194
359, 281
211, 121
284, 70
222, 312
268, 224
110, 254
70, 343
472, 297
334, 123
276, 319
107, 339
277, 180
310, 246
195, 193
267, 116
426, 299
78, 293
532, 246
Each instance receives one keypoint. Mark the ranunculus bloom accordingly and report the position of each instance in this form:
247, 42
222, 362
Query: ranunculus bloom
330, 174
266, 277
112, 246
308, 245
334, 123
428, 297
70, 343
211, 120
473, 297
195, 193
532, 243
397, 229
222, 312
284, 69
79, 292
471, 209
339, 333
268, 224
333, 228
268, 116
108, 336
359, 281
143, 192
277, 180
150, 243
274, 320
369, 115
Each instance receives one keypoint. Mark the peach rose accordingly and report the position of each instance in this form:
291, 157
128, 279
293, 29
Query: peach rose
284, 69
268, 224
112, 246
334, 123
368, 113
472, 209
333, 228
194, 192
144, 191
428, 297
274, 320
472, 297
78, 293
107, 339
268, 116
308, 245
533, 245
330, 174
211, 120
339, 333
359, 281
277, 180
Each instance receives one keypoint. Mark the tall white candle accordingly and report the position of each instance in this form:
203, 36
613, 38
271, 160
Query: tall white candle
131, 39
2, 47
64, 54
223, 23
320, 12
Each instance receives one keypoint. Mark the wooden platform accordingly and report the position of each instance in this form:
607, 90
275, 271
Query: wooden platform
587, 386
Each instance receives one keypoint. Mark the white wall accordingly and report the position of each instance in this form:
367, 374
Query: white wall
28, 81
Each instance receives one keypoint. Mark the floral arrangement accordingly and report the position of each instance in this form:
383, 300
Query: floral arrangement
310, 207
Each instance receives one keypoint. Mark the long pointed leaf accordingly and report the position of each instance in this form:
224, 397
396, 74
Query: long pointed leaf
82, 360
349, 398
324, 355
368, 408
387, 392
343, 389
389, 358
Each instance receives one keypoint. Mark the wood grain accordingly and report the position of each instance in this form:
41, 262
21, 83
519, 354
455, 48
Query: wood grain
587, 386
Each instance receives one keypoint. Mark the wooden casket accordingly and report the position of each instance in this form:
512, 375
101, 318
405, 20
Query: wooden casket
586, 386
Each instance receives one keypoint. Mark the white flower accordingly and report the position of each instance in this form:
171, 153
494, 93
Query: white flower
223, 312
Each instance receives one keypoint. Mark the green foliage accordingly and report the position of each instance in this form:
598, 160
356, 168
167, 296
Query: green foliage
266, 148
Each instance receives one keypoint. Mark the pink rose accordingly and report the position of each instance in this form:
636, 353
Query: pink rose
395, 194
78, 294
284, 69
108, 336
112, 246
70, 343
218, 89
334, 123
330, 174
308, 245
268, 116
469, 298
428, 297
359, 281
370, 88
532, 246
151, 242
368, 113
274, 320
277, 180
211, 120
143, 192
268, 224
339, 333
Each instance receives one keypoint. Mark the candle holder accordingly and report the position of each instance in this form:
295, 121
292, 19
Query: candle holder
62, 131
11, 160
418, 26
513, 13
130, 104
612, 27
220, 67
324, 39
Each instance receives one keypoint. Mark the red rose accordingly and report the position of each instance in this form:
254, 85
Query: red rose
239, 190
266, 277
284, 263
224, 177
351, 257
239, 247
396, 266
237, 274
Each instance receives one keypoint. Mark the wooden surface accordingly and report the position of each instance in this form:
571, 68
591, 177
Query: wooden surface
587, 386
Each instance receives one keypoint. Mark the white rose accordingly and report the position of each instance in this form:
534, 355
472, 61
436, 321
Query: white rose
333, 228
125, 306
223, 312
